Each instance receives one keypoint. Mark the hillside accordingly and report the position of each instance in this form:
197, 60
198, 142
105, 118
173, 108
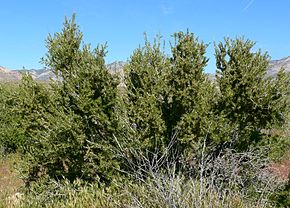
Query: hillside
8, 75
276, 65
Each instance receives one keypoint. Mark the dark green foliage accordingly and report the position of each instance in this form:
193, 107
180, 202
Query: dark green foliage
184, 79
37, 112
71, 124
172, 96
11, 135
144, 79
189, 95
249, 100
82, 126
170, 99
282, 197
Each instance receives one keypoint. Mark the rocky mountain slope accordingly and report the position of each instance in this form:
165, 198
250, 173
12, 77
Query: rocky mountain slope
7, 75
39, 74
115, 67
276, 65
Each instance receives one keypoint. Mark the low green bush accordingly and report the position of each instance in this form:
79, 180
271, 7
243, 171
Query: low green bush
12, 136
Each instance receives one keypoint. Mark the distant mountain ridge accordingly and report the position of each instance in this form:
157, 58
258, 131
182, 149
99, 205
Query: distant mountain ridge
276, 65
39, 74
7, 75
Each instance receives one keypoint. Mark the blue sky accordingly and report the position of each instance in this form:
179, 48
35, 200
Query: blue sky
24, 25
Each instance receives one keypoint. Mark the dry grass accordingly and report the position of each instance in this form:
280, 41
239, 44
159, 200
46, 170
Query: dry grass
229, 180
10, 181
282, 168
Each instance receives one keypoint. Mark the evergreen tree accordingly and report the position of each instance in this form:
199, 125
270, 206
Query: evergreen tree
79, 140
250, 100
189, 94
144, 80
170, 100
